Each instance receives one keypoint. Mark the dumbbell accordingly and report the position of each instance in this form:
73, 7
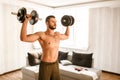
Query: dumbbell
21, 15
67, 20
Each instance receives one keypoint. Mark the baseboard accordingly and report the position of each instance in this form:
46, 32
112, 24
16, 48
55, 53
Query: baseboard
10, 72
110, 72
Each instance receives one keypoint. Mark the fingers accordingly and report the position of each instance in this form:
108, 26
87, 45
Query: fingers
28, 16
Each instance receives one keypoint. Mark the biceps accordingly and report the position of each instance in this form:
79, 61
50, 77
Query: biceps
63, 37
31, 38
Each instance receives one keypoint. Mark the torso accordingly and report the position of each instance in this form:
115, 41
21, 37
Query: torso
50, 46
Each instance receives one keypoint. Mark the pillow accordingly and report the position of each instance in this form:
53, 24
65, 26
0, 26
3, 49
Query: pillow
33, 58
62, 55
65, 62
81, 59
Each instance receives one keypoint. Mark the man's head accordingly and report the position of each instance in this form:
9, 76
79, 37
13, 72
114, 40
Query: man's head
51, 22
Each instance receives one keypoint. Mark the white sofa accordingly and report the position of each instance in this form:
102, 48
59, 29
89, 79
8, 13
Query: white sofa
67, 72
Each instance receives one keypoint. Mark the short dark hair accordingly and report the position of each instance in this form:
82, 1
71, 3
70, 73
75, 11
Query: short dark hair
48, 17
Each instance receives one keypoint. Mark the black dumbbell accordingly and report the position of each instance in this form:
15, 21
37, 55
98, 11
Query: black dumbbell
67, 20
34, 17
21, 15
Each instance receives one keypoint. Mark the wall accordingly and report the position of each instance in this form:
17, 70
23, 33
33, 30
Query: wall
13, 52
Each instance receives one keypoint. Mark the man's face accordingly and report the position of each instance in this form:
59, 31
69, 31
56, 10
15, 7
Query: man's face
52, 23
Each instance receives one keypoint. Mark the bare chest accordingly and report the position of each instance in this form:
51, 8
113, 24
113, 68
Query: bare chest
51, 41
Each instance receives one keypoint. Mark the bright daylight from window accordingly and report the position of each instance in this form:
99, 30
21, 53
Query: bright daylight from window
79, 30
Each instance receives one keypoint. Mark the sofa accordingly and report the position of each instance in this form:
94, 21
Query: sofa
75, 66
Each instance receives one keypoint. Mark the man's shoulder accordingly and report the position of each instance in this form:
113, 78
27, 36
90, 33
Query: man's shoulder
57, 32
40, 32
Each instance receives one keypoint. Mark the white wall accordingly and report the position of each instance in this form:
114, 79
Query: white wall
13, 51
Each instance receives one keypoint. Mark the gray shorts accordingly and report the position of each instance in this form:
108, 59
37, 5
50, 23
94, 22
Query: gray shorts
49, 71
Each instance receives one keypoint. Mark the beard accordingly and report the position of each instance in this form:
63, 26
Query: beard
52, 27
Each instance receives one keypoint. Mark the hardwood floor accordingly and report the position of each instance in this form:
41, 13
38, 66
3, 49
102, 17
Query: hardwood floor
109, 76
17, 75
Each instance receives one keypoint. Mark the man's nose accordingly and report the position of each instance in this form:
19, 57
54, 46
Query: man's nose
55, 24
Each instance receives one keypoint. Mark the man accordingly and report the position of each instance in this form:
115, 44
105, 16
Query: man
49, 41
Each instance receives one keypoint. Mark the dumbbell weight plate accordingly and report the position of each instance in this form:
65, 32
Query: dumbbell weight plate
34, 18
72, 20
66, 20
21, 14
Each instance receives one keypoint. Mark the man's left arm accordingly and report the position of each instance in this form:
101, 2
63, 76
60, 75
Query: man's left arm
66, 34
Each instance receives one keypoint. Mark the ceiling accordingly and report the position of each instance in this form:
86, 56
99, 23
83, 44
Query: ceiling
62, 3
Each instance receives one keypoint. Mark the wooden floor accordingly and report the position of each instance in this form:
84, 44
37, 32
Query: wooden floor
109, 76
17, 75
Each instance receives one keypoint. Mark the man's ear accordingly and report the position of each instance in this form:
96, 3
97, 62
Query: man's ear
47, 22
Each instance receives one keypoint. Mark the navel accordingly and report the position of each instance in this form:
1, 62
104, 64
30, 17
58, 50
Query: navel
48, 42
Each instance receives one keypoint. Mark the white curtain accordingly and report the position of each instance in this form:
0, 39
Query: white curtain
105, 38
12, 50
78, 31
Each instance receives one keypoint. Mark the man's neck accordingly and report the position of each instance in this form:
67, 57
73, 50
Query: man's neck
50, 32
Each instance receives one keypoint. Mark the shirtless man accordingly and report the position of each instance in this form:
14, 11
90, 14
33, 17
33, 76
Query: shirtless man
49, 41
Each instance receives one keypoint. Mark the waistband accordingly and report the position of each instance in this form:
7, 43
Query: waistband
49, 62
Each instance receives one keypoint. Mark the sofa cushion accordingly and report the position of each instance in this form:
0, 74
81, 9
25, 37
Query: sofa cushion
34, 58
62, 55
72, 74
65, 62
82, 59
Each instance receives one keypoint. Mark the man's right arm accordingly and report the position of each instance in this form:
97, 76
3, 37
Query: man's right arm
27, 37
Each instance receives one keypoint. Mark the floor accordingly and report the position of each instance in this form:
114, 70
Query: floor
109, 76
17, 75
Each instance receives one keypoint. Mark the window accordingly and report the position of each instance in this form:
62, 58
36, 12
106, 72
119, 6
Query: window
78, 32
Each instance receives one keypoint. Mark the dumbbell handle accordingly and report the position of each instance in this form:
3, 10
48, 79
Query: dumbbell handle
13, 13
39, 18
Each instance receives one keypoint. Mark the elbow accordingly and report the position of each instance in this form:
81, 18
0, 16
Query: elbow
22, 39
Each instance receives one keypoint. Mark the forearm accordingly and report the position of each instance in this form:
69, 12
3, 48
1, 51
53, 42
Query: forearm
23, 34
67, 32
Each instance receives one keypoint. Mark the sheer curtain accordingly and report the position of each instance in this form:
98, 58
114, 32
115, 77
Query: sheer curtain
105, 38
78, 31
12, 50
